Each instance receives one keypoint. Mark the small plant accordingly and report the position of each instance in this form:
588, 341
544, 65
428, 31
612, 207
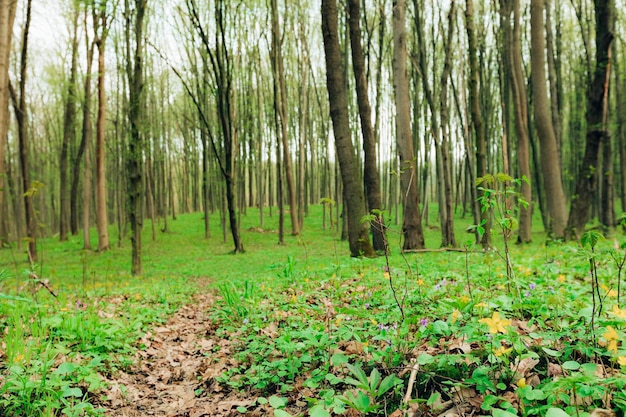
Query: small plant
369, 389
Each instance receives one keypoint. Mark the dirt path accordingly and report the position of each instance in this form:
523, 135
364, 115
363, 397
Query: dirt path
175, 374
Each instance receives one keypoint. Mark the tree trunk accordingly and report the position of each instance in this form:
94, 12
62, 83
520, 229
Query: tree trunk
411, 218
280, 92
136, 118
597, 109
69, 134
550, 165
101, 198
20, 109
518, 88
477, 119
358, 238
370, 173
7, 17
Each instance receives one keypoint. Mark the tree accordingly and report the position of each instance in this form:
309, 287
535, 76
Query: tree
550, 165
411, 216
69, 131
597, 113
280, 102
360, 244
7, 17
221, 68
136, 100
513, 51
21, 116
101, 30
476, 116
370, 170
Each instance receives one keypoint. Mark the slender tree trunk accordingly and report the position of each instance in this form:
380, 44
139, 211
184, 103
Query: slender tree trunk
550, 166
101, 197
370, 173
518, 88
7, 17
280, 91
621, 139
359, 241
21, 116
597, 110
136, 100
411, 218
69, 133
476, 118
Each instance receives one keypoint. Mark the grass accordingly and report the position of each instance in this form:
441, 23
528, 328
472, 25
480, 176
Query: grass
309, 325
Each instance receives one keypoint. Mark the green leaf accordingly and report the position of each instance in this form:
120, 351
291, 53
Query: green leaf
425, 359
277, 402
242, 409
388, 383
589, 368
359, 374
72, 392
571, 365
434, 397
374, 380
281, 413
318, 411
66, 368
261, 400
338, 359
556, 412
552, 352
498, 412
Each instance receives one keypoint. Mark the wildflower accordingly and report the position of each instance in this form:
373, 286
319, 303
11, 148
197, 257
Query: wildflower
245, 321
612, 337
502, 351
622, 360
618, 312
532, 286
386, 275
367, 305
521, 383
464, 299
495, 323
424, 322
455, 316
481, 304
420, 282
561, 278
294, 299
374, 322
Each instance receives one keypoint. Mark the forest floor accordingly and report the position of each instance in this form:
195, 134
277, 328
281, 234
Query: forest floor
174, 372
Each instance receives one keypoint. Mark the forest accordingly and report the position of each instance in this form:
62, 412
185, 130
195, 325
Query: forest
448, 159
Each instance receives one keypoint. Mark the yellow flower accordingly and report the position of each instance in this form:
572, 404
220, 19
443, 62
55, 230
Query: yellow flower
495, 323
464, 299
338, 321
420, 282
374, 322
521, 383
386, 275
612, 337
561, 278
618, 312
294, 299
622, 360
481, 304
502, 351
455, 316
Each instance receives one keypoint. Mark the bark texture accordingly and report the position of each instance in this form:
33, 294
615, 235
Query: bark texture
550, 165
371, 176
597, 132
358, 238
411, 216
